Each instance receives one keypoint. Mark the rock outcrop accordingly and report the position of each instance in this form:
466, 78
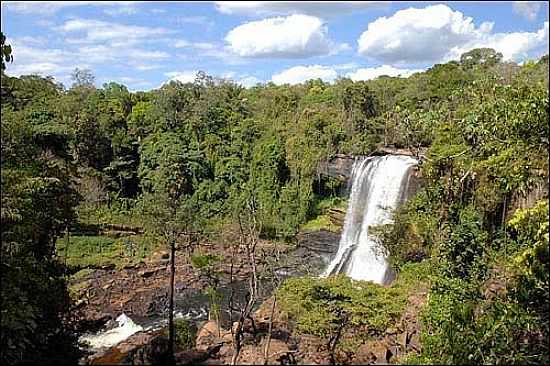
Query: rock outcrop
340, 165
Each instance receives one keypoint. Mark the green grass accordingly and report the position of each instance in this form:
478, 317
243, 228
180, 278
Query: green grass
82, 274
321, 220
121, 213
98, 251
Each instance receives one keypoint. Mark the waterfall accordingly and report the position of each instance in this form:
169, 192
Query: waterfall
378, 185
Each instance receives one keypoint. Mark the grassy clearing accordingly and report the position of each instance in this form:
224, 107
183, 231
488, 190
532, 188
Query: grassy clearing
321, 220
98, 251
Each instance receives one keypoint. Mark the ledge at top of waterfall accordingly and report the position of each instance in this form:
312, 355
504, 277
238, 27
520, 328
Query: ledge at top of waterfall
378, 186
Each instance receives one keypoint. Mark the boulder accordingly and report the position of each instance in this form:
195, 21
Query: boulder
210, 334
277, 350
141, 348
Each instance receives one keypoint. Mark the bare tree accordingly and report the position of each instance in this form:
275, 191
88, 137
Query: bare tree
248, 238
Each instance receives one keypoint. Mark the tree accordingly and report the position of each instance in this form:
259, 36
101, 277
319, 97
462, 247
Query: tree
5, 51
480, 56
82, 78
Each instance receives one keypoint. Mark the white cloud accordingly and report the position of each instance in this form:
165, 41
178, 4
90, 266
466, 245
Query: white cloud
50, 7
187, 76
91, 44
516, 46
248, 81
100, 31
290, 37
320, 8
197, 51
437, 34
299, 74
42, 61
374, 72
527, 9
123, 10
347, 66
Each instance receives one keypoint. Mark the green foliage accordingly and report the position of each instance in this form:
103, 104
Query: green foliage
321, 220
185, 333
316, 305
532, 260
5, 51
486, 57
98, 251
186, 158
460, 327
462, 254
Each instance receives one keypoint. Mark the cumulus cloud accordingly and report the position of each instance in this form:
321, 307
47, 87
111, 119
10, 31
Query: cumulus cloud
248, 81
346, 66
437, 33
299, 74
294, 36
416, 35
515, 46
527, 9
374, 72
321, 9
186, 76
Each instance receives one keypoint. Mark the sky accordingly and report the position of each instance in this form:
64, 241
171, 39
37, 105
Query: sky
144, 44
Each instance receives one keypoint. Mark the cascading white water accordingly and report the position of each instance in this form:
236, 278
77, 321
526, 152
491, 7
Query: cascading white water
378, 185
126, 327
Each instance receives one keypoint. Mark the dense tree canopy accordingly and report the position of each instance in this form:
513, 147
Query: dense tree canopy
211, 147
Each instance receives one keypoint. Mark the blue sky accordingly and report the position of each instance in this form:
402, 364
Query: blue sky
143, 44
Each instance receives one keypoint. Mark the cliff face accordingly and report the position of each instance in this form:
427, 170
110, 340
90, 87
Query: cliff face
518, 201
340, 165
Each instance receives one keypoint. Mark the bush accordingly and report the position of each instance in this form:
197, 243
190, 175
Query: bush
185, 333
319, 305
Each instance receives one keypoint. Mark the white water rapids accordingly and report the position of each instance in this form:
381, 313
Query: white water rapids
378, 186
126, 327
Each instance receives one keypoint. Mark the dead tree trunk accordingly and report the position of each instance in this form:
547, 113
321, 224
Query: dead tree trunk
247, 238
171, 303
269, 330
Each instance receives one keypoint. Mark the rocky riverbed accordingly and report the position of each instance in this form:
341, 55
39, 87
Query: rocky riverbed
140, 292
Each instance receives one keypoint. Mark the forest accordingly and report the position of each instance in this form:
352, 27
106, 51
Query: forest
188, 161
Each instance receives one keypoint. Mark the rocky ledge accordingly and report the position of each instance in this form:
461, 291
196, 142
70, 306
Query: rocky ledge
340, 165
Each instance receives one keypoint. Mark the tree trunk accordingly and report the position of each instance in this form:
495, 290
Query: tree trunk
171, 305
269, 331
